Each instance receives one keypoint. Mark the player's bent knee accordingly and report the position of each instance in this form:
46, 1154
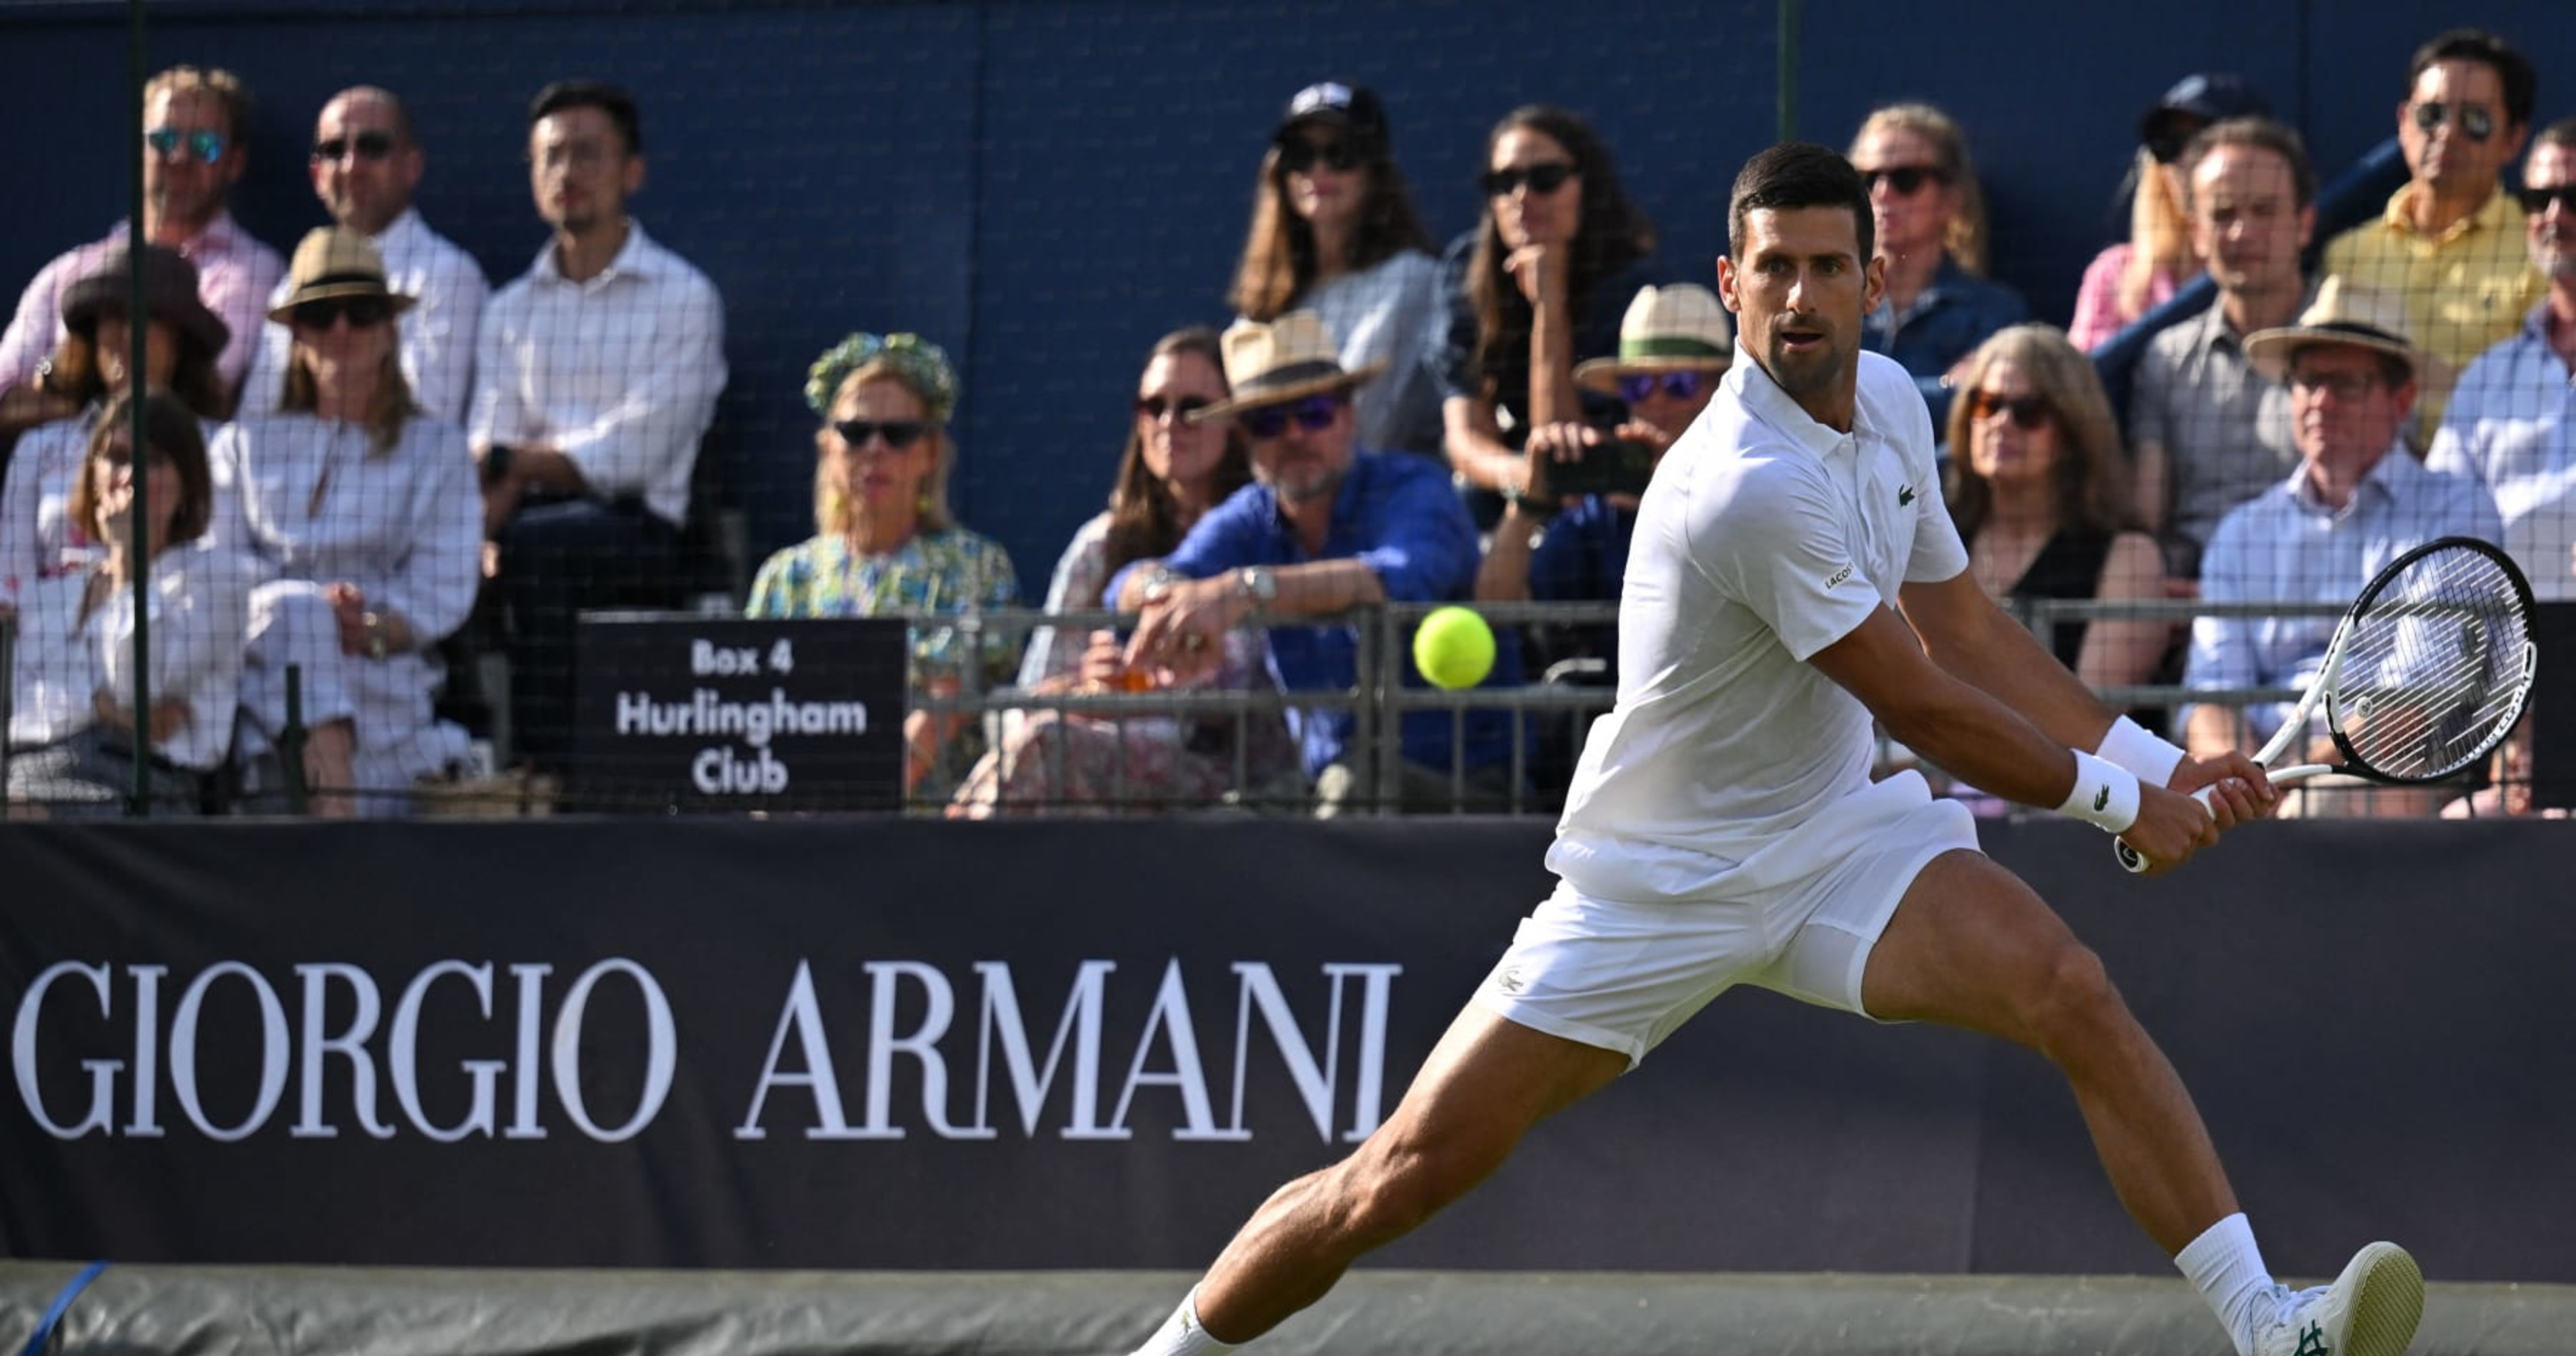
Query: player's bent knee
2073, 1001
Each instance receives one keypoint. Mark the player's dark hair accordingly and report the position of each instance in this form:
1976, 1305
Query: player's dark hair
2263, 134
2512, 68
609, 99
1799, 174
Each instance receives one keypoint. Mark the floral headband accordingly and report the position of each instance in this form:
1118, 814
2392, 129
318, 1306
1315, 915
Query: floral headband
922, 363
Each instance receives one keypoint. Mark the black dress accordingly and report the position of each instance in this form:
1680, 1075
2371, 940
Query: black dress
2069, 566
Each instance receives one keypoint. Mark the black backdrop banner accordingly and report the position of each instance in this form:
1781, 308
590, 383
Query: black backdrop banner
902, 1044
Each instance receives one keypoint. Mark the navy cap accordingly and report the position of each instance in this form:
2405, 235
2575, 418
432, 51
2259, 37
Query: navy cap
2205, 96
1352, 107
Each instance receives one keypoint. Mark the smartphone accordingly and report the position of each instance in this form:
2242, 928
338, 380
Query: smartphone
1612, 466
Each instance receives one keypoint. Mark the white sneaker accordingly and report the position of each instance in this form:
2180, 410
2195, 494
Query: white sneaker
2370, 1310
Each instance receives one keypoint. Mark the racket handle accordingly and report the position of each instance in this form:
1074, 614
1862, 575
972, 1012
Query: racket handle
2134, 861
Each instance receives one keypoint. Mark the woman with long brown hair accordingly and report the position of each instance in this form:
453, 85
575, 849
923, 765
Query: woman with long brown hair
1929, 214
1334, 232
1537, 286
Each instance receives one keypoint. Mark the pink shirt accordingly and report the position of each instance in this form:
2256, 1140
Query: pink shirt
2097, 303
235, 275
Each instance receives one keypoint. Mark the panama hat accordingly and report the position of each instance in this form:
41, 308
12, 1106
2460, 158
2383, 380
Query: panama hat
169, 295
1667, 329
2343, 313
1290, 357
334, 261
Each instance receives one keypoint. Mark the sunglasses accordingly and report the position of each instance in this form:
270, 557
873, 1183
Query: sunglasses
360, 312
1684, 385
2536, 200
898, 433
1155, 407
2476, 123
1907, 180
1314, 414
204, 145
1298, 155
368, 145
1545, 177
2028, 412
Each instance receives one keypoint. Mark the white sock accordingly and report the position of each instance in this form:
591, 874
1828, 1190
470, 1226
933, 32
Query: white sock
2227, 1269
1181, 1334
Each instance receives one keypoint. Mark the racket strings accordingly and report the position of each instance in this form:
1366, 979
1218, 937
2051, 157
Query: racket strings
2434, 669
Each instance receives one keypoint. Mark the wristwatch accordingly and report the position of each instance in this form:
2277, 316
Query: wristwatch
374, 622
1259, 584
1159, 581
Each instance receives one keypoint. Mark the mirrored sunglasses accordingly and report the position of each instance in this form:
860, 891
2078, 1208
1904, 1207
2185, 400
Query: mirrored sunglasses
898, 433
2477, 124
360, 312
1545, 177
1637, 388
2027, 412
1906, 180
203, 145
1313, 413
368, 145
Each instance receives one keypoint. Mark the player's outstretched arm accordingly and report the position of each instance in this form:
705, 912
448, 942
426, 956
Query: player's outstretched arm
1981, 645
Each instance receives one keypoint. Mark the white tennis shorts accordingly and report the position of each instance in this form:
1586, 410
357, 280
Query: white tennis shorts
1798, 918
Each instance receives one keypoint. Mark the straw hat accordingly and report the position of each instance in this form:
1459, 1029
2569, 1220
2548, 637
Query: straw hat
334, 261
169, 294
1667, 329
1290, 357
2343, 313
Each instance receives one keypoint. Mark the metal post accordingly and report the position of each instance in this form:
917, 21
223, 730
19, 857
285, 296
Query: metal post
290, 743
139, 513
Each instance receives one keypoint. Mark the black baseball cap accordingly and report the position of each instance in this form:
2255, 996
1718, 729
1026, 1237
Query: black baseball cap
2196, 101
1353, 108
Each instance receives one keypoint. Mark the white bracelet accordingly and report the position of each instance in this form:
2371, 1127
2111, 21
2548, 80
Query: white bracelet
2106, 794
2130, 746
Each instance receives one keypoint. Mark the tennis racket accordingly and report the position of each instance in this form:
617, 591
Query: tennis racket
2426, 674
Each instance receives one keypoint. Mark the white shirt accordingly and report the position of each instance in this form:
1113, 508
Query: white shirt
437, 332
39, 540
2511, 426
619, 373
200, 612
1764, 538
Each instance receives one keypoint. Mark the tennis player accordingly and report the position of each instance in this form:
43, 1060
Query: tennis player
1723, 828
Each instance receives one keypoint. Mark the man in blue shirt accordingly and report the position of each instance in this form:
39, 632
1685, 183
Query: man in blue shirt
2358, 501
1324, 528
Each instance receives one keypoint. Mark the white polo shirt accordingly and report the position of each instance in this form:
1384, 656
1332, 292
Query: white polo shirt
1765, 537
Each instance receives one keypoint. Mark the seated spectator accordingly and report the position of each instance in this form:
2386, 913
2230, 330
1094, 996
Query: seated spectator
1674, 346
1334, 232
2449, 246
73, 728
365, 165
595, 378
2133, 277
2511, 424
40, 537
2358, 500
886, 543
1174, 470
196, 143
1535, 287
1930, 217
1326, 527
2039, 490
2207, 430
364, 512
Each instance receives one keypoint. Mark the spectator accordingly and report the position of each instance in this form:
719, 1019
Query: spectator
2512, 420
1931, 220
2358, 500
72, 731
2208, 431
1333, 232
2133, 277
886, 543
1536, 286
596, 375
2039, 490
364, 511
2450, 242
196, 143
1174, 470
40, 537
1327, 527
365, 164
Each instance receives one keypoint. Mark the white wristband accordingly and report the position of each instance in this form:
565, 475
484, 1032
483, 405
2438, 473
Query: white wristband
2106, 794
2129, 745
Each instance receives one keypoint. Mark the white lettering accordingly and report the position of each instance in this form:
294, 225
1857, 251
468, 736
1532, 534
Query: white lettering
1172, 1012
717, 772
1081, 1022
272, 1051
22, 1053
706, 657
145, 1123
707, 712
350, 1044
885, 978
403, 1055
804, 1016
1316, 1086
660, 1052
523, 1086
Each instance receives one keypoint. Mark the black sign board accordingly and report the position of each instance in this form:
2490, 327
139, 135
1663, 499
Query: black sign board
727, 714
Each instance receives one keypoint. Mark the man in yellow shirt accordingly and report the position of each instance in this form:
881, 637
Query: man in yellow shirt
2450, 242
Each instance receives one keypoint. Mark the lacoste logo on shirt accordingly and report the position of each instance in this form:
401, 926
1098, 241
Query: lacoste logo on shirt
1904, 496
2101, 800
1837, 577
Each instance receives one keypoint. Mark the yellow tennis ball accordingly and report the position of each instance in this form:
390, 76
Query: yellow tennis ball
1454, 648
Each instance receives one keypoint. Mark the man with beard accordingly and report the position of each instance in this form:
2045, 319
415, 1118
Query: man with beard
1324, 528
195, 147
366, 164
595, 375
1724, 829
